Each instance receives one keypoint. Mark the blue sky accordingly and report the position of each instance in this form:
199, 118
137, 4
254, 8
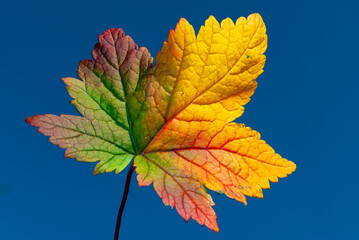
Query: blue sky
305, 106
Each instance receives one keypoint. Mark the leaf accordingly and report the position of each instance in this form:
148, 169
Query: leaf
174, 118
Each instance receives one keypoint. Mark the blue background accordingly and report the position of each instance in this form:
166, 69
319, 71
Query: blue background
306, 107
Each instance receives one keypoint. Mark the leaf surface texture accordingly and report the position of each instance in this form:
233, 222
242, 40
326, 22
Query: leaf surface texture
174, 118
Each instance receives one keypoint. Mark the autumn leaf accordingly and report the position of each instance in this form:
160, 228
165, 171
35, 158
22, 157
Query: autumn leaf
174, 118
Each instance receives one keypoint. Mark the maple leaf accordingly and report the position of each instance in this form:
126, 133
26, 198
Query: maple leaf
175, 118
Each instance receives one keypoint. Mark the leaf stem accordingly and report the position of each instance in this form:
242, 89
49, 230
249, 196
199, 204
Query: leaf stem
123, 202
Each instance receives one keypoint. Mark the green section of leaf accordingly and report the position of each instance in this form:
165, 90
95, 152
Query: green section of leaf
86, 141
94, 87
113, 76
93, 111
104, 134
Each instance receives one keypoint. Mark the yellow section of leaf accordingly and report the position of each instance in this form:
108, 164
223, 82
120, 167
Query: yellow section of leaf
220, 65
210, 77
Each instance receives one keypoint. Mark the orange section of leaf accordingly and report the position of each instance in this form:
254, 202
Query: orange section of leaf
234, 161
